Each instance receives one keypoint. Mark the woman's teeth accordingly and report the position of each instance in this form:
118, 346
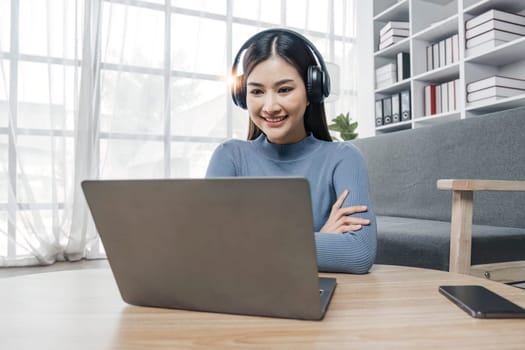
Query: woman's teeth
275, 119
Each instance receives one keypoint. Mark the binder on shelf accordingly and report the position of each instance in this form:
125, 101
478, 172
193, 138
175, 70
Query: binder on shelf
396, 108
406, 113
403, 66
379, 112
387, 110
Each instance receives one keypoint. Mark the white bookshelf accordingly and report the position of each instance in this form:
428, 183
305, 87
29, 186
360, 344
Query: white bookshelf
432, 21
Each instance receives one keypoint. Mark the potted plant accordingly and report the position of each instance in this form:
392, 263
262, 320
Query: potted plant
343, 124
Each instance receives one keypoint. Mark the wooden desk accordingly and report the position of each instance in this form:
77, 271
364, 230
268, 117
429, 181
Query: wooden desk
392, 307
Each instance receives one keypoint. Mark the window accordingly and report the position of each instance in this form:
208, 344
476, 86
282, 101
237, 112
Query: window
131, 89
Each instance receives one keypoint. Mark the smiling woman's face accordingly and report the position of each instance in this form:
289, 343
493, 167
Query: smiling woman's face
276, 100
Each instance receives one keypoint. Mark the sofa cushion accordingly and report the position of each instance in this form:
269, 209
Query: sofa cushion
404, 166
426, 243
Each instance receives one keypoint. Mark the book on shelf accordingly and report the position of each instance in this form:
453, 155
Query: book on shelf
388, 76
394, 25
441, 98
430, 99
444, 97
390, 41
484, 47
379, 112
495, 14
384, 84
451, 87
495, 25
493, 92
396, 108
455, 47
491, 35
439, 105
435, 56
386, 79
403, 65
496, 80
442, 53
448, 51
406, 111
430, 64
387, 68
394, 32
457, 91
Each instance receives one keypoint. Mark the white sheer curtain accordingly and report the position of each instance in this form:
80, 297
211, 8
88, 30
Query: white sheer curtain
126, 89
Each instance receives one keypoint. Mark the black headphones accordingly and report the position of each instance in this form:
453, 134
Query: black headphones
317, 79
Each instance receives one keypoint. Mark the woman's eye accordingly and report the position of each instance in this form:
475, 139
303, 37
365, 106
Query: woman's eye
256, 91
285, 89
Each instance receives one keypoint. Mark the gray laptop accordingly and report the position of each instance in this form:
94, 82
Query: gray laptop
230, 245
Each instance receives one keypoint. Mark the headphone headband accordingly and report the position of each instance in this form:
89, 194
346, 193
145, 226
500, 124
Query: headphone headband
318, 79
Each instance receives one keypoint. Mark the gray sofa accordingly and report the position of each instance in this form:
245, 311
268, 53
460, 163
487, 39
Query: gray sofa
413, 216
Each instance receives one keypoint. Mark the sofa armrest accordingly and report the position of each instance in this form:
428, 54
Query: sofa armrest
480, 185
461, 218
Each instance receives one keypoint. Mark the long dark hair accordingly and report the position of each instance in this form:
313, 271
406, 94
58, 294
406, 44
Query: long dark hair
296, 52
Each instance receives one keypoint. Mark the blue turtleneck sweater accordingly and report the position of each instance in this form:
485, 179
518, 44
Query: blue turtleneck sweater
330, 168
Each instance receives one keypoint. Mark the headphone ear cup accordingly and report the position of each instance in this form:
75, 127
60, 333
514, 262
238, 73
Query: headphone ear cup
315, 84
239, 91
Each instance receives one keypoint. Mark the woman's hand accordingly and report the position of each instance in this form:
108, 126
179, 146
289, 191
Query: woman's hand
340, 219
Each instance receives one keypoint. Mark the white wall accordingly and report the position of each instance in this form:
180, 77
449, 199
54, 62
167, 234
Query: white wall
365, 83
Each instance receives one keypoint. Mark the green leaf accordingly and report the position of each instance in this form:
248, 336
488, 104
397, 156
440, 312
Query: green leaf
343, 124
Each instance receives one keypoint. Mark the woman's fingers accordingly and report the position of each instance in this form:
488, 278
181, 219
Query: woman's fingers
350, 220
352, 210
351, 228
346, 228
341, 219
339, 202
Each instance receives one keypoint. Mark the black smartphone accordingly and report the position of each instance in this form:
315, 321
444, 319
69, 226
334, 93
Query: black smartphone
479, 302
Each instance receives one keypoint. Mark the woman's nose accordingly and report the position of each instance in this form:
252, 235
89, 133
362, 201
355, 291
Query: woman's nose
271, 104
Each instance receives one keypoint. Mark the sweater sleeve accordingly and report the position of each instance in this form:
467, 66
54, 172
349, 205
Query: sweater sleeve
350, 252
222, 162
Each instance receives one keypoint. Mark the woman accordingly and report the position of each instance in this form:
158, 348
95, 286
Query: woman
282, 87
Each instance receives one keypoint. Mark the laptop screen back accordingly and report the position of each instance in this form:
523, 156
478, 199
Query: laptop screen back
233, 245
